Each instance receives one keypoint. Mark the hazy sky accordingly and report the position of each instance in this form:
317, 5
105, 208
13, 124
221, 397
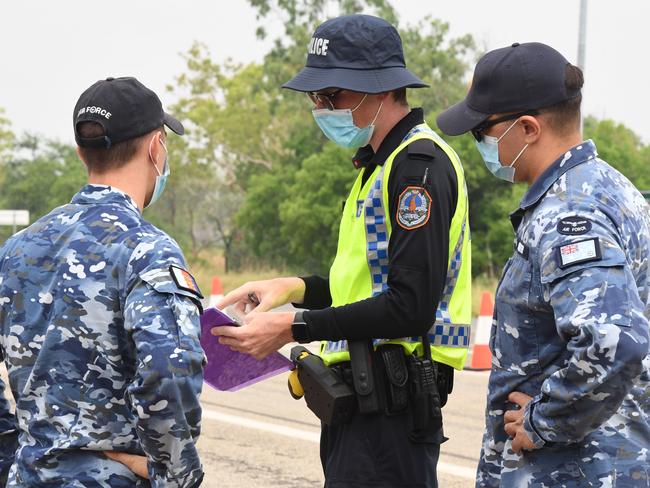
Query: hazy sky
52, 50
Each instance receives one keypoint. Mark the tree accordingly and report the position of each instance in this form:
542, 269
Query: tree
303, 192
231, 132
310, 215
184, 209
622, 148
6, 143
40, 175
6, 136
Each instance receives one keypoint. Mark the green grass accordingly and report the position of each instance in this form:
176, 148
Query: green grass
210, 264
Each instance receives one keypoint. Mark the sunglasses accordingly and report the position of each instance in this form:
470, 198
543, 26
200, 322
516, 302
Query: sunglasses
477, 132
325, 99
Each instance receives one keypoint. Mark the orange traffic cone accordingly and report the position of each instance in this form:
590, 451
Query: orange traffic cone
217, 291
481, 355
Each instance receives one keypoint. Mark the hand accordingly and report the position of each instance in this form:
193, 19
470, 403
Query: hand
271, 294
137, 464
514, 423
262, 333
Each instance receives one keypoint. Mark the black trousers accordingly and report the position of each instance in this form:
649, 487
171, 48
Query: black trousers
377, 451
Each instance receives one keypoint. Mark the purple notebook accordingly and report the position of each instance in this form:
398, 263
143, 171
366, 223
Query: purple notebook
229, 370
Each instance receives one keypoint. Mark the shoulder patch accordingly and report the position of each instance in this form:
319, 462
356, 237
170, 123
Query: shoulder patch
422, 149
414, 208
579, 252
185, 281
574, 226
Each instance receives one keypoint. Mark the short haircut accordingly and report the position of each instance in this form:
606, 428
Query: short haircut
566, 114
100, 159
399, 96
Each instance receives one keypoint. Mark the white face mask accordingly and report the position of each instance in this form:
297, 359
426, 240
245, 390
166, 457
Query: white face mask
489, 149
161, 179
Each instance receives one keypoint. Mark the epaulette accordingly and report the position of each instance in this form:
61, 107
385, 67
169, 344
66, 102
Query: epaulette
422, 149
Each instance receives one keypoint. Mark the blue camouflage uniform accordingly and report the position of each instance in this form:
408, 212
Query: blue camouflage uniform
571, 330
102, 347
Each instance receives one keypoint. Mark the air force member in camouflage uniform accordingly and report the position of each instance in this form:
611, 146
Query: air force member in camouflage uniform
99, 321
569, 393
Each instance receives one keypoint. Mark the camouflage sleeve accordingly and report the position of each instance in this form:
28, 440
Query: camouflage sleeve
588, 283
163, 321
8, 434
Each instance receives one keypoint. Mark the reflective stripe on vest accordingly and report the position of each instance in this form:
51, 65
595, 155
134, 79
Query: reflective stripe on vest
444, 334
377, 236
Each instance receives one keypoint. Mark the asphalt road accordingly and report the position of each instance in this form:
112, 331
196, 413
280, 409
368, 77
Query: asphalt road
261, 437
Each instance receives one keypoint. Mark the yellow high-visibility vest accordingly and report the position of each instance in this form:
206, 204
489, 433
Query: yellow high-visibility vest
360, 269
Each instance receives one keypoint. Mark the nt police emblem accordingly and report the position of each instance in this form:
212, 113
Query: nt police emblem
414, 207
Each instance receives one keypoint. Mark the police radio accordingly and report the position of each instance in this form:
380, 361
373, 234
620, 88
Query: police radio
427, 409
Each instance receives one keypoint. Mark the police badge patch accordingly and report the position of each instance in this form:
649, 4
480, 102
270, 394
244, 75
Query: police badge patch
414, 208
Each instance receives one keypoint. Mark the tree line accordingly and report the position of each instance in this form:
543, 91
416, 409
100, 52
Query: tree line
254, 174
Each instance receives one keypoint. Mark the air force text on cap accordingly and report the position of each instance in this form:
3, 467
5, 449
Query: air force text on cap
318, 46
95, 110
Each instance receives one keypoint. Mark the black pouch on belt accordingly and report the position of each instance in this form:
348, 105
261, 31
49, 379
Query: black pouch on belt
396, 375
365, 375
445, 381
327, 395
425, 398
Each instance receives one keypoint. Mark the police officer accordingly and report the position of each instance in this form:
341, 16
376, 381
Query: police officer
568, 393
402, 268
99, 319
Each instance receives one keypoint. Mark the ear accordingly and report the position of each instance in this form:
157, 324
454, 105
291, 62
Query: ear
154, 147
532, 128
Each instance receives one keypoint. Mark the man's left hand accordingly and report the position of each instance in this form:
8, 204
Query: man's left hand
136, 463
514, 423
262, 333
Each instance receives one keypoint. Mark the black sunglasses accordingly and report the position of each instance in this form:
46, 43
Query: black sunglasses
477, 132
326, 99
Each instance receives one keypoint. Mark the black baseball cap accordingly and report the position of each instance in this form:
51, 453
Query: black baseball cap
360, 53
517, 78
125, 108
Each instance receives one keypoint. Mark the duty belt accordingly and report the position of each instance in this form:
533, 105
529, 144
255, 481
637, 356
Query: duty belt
441, 334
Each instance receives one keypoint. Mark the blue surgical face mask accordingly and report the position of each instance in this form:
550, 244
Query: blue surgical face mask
489, 149
338, 126
161, 179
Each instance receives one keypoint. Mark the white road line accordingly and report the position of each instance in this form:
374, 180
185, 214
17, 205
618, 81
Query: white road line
314, 436
303, 435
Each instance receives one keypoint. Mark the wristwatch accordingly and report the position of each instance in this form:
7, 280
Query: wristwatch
299, 329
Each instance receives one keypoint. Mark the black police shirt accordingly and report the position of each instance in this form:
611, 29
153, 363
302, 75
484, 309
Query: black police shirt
418, 258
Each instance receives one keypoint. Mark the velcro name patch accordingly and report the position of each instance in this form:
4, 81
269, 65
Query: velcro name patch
414, 208
184, 280
579, 252
523, 249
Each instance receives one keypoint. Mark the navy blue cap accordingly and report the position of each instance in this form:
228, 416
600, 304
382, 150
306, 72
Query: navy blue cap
516, 78
360, 53
124, 107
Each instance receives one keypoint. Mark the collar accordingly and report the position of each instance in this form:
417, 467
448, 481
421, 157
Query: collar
103, 194
579, 154
365, 156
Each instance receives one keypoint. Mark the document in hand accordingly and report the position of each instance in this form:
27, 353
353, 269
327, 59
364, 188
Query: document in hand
229, 370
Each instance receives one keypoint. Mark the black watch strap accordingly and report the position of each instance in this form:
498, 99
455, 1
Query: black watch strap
299, 329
